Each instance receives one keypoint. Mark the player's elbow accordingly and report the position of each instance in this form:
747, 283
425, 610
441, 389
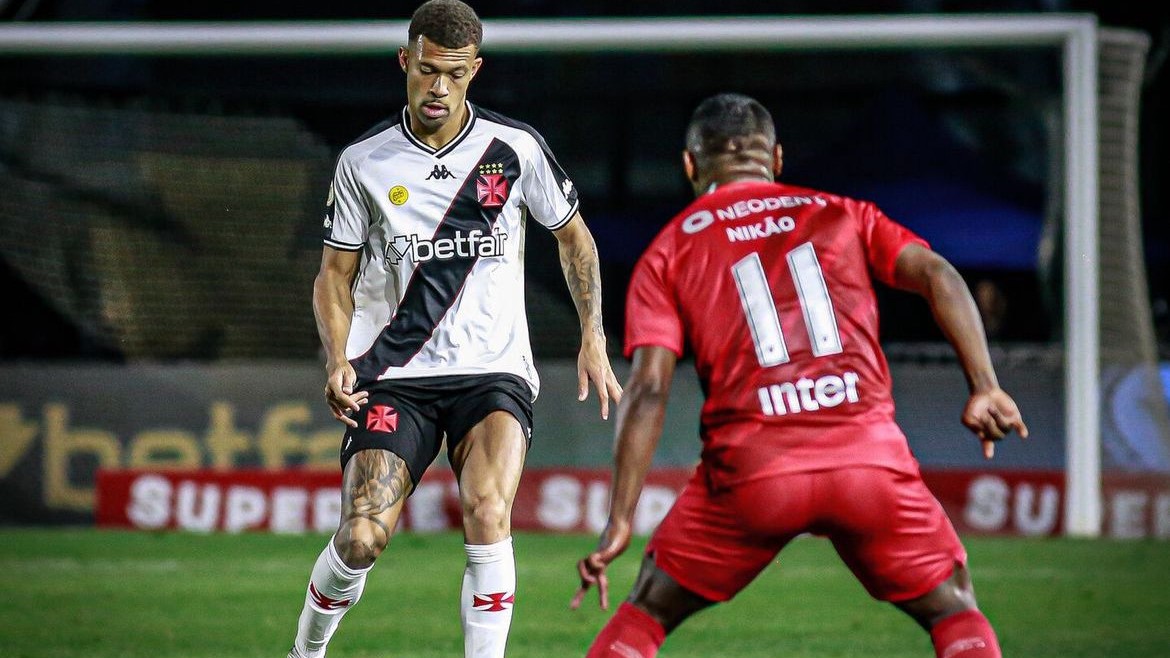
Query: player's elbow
943, 280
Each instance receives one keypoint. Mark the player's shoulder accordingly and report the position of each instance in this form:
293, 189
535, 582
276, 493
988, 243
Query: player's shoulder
825, 197
512, 130
373, 138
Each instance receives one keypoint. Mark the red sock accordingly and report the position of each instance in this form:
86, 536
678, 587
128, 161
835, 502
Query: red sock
965, 635
630, 633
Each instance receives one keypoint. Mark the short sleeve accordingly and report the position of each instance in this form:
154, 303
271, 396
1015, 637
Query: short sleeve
347, 219
549, 195
884, 240
652, 314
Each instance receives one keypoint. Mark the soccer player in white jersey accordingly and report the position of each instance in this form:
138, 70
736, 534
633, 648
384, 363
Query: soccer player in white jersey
420, 307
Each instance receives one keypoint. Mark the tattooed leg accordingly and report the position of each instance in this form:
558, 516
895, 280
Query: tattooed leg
374, 487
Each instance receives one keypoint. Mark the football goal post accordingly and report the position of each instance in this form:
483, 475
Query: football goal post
1076, 38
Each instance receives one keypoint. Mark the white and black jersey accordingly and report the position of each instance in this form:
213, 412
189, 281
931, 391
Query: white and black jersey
440, 285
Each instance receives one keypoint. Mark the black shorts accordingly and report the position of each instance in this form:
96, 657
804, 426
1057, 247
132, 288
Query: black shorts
409, 417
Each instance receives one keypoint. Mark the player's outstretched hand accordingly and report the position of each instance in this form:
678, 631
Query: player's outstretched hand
340, 396
593, 366
991, 415
591, 568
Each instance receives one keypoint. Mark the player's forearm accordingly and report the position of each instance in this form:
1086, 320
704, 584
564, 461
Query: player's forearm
956, 314
333, 310
639, 426
581, 266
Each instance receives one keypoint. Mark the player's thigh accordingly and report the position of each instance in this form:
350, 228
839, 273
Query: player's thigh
375, 484
471, 410
891, 532
705, 545
395, 419
488, 425
489, 460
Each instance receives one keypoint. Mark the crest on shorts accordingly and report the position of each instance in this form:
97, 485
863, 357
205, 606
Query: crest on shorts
382, 418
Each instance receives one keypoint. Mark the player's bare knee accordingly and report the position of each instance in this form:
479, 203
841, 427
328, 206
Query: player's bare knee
357, 546
487, 513
954, 595
659, 596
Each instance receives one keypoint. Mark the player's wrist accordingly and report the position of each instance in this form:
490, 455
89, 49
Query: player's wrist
982, 383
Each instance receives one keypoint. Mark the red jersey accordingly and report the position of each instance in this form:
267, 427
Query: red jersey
770, 285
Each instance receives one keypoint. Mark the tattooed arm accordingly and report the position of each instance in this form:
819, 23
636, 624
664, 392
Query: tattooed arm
582, 272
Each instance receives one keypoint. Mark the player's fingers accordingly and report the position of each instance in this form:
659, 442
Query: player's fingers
582, 384
578, 597
1021, 428
603, 591
991, 427
988, 449
614, 388
603, 395
1011, 420
586, 571
340, 414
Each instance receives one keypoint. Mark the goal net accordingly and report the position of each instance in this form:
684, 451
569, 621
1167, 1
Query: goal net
162, 184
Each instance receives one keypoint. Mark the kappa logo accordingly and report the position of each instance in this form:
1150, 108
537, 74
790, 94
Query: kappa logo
440, 172
495, 602
382, 418
567, 188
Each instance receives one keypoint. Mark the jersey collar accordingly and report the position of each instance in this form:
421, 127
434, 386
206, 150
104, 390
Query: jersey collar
449, 146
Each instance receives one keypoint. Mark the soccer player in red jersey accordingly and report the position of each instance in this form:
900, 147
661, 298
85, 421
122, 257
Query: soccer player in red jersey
770, 286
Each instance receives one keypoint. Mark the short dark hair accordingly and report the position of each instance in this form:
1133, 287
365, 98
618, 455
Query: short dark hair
722, 121
449, 23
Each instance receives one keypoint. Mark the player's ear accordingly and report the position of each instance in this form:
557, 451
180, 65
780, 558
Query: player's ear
403, 53
689, 167
475, 64
777, 159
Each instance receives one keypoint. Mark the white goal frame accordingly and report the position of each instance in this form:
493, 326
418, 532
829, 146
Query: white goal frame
1074, 34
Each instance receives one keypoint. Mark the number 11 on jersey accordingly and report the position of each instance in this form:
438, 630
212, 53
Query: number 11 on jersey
760, 309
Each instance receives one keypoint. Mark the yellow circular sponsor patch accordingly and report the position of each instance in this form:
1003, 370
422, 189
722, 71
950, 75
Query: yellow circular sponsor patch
399, 195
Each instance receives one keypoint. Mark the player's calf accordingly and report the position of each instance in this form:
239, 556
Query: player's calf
333, 589
485, 604
630, 633
967, 634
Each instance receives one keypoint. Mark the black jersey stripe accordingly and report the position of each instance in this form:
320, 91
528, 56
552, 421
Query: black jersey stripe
435, 284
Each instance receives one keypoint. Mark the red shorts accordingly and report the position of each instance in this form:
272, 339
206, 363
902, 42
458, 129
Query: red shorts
886, 526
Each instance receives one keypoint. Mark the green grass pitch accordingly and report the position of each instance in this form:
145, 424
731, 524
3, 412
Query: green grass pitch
95, 594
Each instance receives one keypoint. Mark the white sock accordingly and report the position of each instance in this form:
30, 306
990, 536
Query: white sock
333, 589
485, 605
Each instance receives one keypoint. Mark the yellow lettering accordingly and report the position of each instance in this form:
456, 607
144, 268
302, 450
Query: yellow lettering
165, 449
15, 437
223, 440
277, 442
61, 445
324, 449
